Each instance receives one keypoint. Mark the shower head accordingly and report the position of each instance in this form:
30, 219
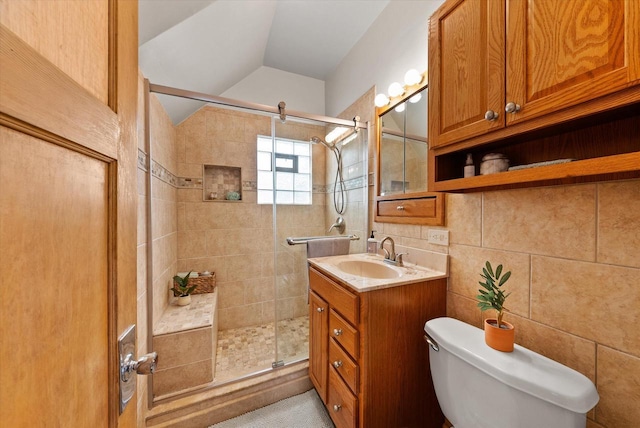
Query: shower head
316, 140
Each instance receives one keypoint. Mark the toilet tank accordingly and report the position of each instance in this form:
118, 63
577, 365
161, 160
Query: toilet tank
479, 387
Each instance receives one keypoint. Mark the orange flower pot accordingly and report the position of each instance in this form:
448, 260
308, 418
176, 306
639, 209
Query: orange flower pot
502, 338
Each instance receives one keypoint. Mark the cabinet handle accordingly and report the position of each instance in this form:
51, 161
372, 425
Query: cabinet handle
337, 364
337, 407
400, 208
337, 331
512, 107
320, 309
490, 115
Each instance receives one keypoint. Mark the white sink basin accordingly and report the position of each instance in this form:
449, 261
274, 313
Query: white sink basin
368, 269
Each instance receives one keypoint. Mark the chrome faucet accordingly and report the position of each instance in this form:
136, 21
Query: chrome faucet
390, 256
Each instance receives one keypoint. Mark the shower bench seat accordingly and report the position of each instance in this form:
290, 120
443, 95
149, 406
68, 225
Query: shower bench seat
185, 338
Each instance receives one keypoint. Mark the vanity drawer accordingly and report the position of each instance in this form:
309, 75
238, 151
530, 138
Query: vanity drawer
344, 365
342, 404
338, 297
343, 333
407, 208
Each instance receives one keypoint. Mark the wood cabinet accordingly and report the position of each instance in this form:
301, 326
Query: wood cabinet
368, 359
511, 72
415, 208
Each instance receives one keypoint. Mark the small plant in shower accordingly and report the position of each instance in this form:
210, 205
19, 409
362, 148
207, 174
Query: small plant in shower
182, 290
492, 296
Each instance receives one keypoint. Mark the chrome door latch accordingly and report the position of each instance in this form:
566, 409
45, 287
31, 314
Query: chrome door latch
129, 366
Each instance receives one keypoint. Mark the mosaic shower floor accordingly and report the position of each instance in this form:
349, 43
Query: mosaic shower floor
242, 351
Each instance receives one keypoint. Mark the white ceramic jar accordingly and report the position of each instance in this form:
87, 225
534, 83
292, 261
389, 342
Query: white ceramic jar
492, 163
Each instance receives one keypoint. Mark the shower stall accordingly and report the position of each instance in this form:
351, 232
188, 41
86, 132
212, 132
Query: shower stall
227, 183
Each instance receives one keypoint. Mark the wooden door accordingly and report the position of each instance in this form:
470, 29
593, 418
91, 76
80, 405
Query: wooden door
563, 53
318, 343
68, 85
466, 70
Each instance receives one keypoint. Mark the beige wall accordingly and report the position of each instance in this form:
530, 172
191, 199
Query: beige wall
574, 253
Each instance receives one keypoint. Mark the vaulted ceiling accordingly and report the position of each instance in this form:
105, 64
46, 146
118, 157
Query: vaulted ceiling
210, 45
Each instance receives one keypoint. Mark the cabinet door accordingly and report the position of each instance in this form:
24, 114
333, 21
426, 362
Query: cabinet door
318, 343
466, 70
562, 53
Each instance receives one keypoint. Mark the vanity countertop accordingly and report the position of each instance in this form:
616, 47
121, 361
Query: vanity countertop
429, 267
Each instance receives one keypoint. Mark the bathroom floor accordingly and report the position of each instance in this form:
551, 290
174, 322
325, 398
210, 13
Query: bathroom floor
242, 351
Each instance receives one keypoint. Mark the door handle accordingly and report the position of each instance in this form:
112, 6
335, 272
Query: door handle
129, 366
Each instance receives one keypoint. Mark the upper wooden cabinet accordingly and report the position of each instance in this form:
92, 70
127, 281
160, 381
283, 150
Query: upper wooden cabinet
552, 85
529, 57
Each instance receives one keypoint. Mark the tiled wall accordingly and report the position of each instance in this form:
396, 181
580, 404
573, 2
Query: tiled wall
164, 223
235, 239
355, 166
574, 253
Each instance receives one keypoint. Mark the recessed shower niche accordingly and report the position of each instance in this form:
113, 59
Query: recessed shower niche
222, 183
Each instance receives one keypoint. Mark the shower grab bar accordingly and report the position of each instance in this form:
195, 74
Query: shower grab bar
305, 239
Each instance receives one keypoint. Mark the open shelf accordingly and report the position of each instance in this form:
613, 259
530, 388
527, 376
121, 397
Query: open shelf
220, 183
602, 148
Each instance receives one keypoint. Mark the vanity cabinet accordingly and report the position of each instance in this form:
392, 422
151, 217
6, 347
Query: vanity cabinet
508, 72
367, 359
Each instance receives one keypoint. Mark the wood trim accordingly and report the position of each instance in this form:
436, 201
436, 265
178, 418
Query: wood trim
35, 91
123, 62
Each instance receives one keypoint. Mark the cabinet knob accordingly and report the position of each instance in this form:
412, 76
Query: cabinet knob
400, 208
491, 115
337, 331
512, 108
337, 364
320, 309
337, 407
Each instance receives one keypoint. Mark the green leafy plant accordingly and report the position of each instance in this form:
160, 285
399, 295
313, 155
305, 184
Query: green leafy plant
491, 295
181, 286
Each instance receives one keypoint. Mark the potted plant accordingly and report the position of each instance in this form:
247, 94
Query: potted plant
182, 290
498, 334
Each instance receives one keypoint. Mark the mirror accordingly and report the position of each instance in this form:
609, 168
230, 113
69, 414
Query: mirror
402, 194
402, 146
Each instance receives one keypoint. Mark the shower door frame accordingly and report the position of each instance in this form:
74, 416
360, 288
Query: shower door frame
207, 98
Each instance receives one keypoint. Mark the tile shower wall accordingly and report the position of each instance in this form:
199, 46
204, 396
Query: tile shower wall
164, 223
235, 239
354, 158
575, 256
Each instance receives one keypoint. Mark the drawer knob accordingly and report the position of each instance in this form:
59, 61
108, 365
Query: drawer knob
337, 407
400, 208
320, 309
490, 115
512, 107
337, 364
337, 331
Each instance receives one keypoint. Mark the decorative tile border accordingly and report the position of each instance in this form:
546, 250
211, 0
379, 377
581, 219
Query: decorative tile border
142, 160
161, 173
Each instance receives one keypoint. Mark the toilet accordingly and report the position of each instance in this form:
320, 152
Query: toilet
479, 387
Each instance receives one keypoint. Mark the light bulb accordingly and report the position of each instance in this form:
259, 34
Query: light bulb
381, 100
400, 108
414, 99
412, 77
335, 134
395, 89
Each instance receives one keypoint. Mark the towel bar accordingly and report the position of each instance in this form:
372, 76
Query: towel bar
304, 240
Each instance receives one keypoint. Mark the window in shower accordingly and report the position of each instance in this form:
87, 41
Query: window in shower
286, 166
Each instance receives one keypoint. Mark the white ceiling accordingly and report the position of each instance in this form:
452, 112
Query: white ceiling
210, 45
